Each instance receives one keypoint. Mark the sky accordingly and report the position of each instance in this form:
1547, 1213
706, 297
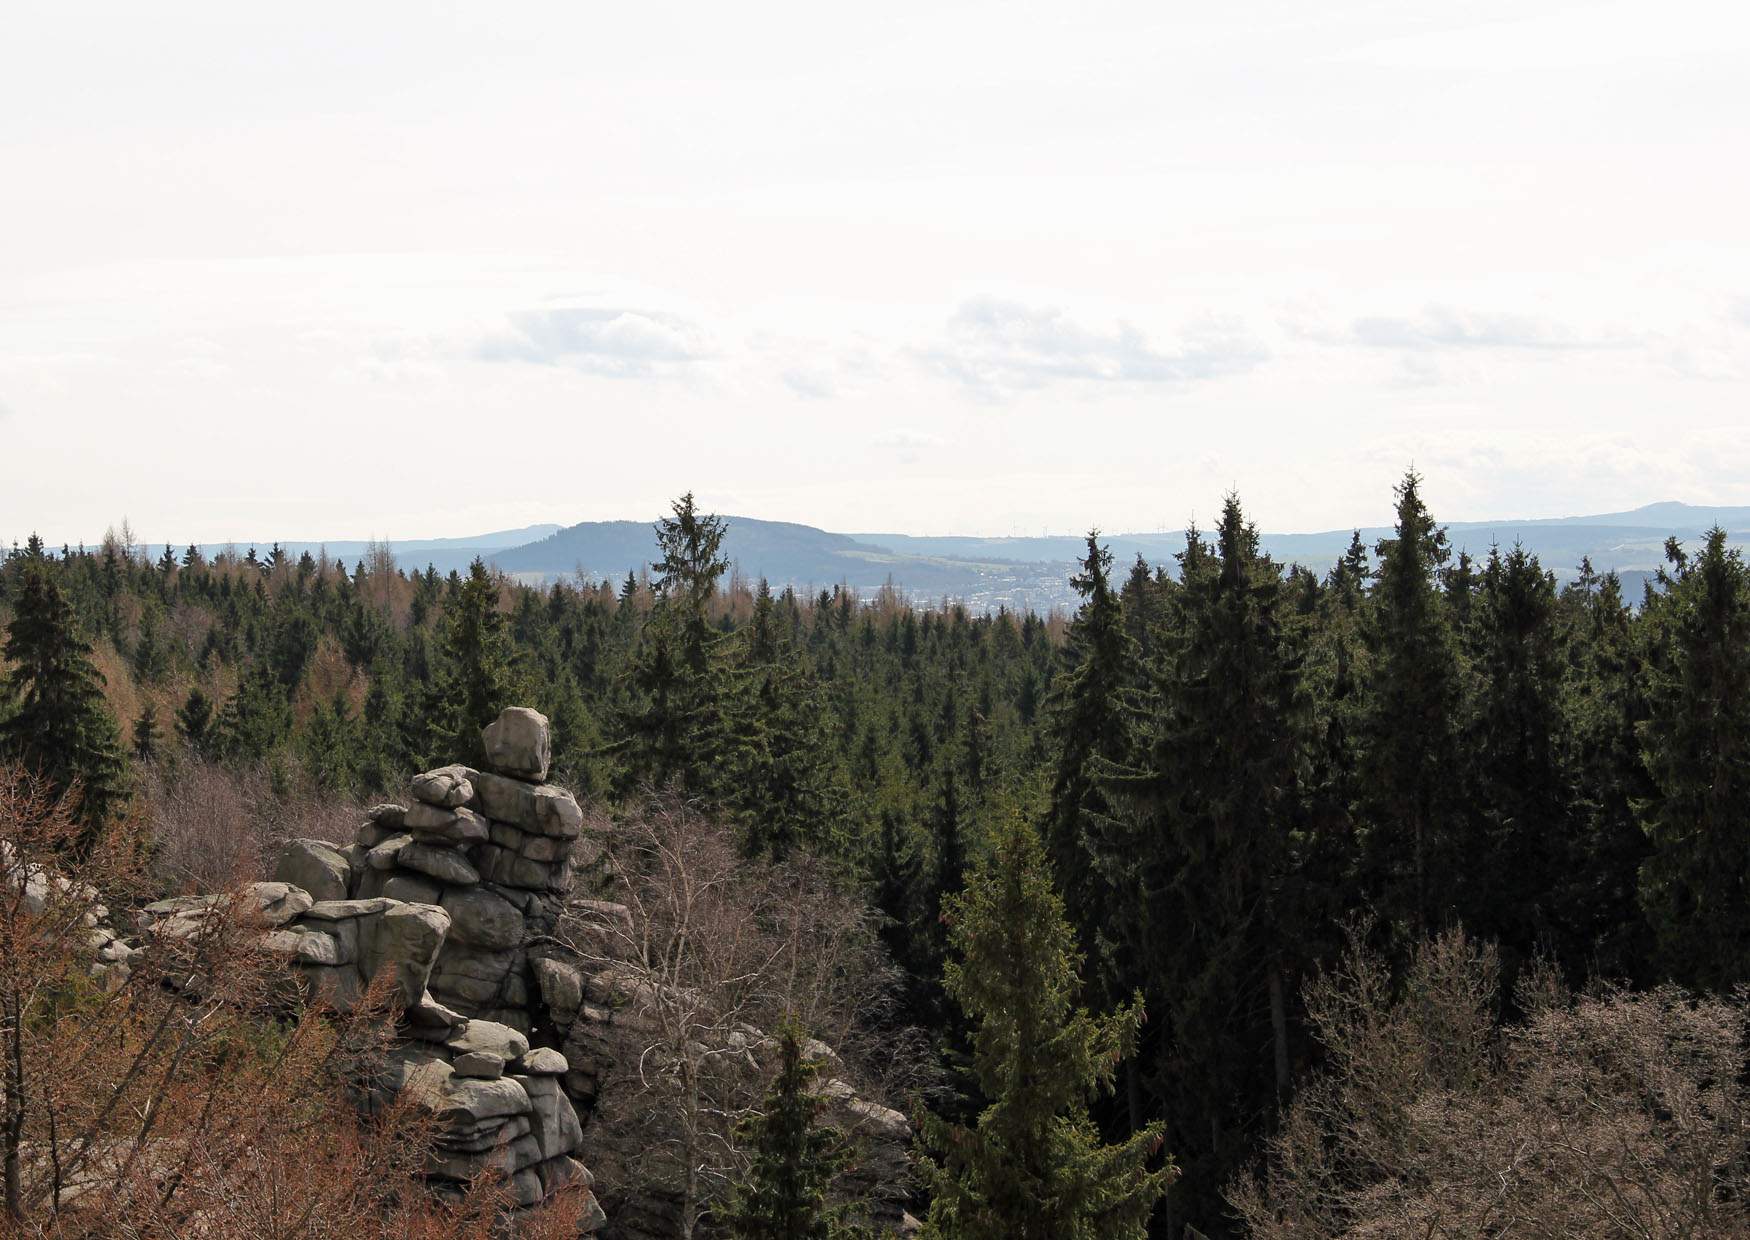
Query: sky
408, 270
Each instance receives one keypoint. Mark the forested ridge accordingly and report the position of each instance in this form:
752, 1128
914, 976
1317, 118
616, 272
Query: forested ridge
1234, 781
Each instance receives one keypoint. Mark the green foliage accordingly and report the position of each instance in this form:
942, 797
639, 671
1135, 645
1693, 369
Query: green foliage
784, 1195
57, 723
474, 680
1696, 883
1034, 1165
1408, 742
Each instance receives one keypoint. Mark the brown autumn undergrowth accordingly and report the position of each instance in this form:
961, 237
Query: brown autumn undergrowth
202, 1096
1607, 1114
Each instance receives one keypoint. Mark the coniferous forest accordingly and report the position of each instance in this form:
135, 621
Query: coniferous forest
1184, 891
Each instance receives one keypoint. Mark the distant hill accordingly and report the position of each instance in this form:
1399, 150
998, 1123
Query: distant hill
443, 553
1022, 572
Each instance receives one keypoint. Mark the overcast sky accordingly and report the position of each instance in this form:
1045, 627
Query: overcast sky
405, 270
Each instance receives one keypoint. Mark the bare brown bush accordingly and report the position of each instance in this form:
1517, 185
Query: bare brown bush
719, 950
211, 827
1612, 1114
198, 1096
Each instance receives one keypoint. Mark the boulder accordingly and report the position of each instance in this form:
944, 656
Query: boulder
518, 743
408, 940
387, 815
483, 918
344, 910
489, 1036
455, 826
448, 786
411, 888
444, 864
543, 1061
316, 866
384, 856
483, 1065
307, 945
277, 903
561, 986
543, 809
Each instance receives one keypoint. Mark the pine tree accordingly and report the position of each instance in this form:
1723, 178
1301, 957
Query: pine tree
194, 720
686, 722
59, 724
1209, 847
1696, 884
146, 734
1607, 706
1409, 726
1519, 784
783, 1195
1090, 713
475, 678
1033, 1167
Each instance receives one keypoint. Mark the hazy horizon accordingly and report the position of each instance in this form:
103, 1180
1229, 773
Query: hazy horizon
933, 268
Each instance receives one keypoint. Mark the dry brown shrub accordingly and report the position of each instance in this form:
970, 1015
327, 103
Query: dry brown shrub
201, 1096
211, 826
1611, 1114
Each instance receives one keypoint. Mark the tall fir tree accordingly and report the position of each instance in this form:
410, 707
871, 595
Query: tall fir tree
475, 679
1409, 753
1696, 883
1214, 902
1607, 708
1089, 717
684, 719
145, 734
1033, 1166
1519, 791
58, 723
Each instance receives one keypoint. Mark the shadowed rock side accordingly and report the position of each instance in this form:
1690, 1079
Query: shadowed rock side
505, 1034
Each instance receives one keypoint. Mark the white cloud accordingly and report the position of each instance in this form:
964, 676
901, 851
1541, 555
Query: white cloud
994, 347
605, 341
810, 382
1446, 327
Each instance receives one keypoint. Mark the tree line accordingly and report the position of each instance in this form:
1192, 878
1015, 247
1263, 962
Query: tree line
1228, 769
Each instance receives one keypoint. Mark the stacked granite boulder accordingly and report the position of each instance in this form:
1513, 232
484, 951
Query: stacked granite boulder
493, 848
444, 895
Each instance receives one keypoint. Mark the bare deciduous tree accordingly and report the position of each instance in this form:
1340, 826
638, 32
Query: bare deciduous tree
716, 951
1609, 1114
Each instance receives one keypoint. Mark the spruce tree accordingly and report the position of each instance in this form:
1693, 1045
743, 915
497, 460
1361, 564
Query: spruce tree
685, 722
1409, 752
1089, 718
194, 720
146, 734
58, 724
783, 1196
1696, 883
1607, 708
1519, 791
1210, 847
474, 682
1033, 1167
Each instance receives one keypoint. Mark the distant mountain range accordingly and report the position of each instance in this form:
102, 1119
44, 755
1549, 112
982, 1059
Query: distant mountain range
1020, 572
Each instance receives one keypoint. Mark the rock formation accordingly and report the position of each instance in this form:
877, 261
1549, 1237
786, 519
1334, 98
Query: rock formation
506, 1034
